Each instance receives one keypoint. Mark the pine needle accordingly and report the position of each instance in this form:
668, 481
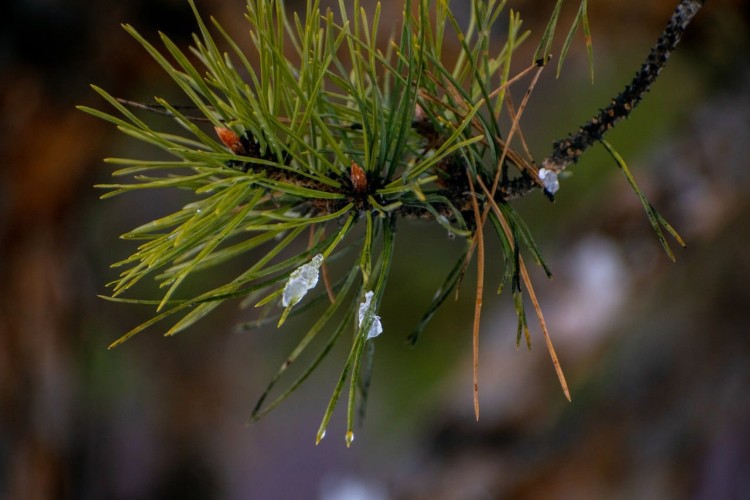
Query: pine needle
545, 332
532, 296
480, 289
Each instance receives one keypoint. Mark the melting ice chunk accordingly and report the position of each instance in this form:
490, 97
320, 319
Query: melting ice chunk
549, 180
365, 312
301, 280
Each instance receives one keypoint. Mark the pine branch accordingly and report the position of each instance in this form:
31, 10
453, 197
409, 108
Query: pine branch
567, 151
341, 135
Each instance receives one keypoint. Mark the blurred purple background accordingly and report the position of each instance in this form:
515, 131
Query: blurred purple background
657, 354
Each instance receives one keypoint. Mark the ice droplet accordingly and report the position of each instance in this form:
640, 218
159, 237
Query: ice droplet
549, 180
365, 312
301, 280
349, 438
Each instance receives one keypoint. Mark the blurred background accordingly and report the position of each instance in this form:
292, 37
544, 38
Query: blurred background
657, 354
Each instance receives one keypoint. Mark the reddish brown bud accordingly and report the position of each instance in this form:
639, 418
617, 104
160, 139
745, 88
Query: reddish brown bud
230, 140
359, 178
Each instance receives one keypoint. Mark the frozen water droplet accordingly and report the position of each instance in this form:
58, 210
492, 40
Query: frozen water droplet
376, 328
301, 280
293, 292
349, 438
365, 312
549, 180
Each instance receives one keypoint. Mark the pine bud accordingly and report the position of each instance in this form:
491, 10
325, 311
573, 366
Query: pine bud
359, 178
230, 140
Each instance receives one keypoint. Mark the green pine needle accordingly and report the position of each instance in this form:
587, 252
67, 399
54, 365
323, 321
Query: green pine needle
656, 220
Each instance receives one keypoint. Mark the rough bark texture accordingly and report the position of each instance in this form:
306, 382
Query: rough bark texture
568, 150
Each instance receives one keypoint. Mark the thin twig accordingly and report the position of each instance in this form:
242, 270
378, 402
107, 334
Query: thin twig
568, 150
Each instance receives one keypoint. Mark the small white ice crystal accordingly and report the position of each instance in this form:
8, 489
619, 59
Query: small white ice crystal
301, 280
376, 328
549, 180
